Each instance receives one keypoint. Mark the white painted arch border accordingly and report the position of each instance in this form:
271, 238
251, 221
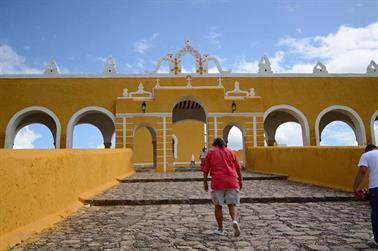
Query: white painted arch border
77, 115
374, 140
355, 118
298, 115
10, 132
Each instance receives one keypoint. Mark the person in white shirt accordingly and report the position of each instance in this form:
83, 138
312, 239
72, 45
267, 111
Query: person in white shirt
369, 162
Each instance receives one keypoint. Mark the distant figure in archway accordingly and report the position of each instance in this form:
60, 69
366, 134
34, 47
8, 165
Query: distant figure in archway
226, 180
369, 163
203, 156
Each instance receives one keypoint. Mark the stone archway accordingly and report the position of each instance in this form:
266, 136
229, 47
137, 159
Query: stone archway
226, 131
30, 115
99, 117
140, 155
344, 114
277, 115
189, 112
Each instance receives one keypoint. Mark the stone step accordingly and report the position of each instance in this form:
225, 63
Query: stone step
190, 179
197, 201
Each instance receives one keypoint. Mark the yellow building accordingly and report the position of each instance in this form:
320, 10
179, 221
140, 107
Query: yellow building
168, 118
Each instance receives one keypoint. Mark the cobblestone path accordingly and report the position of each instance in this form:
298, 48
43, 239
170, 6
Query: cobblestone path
302, 225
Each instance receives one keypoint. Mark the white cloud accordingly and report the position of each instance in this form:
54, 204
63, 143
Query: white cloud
25, 138
144, 45
289, 134
350, 49
338, 133
214, 38
13, 63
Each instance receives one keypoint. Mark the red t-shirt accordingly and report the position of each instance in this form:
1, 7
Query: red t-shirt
222, 164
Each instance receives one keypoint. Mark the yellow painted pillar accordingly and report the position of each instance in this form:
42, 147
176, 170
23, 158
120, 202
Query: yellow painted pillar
164, 146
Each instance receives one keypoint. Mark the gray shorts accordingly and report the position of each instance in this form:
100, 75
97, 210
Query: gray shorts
225, 196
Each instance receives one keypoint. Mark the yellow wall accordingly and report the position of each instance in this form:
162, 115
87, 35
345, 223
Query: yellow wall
333, 167
38, 183
143, 148
190, 135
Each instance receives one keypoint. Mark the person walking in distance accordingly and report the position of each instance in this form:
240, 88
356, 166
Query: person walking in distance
369, 162
226, 180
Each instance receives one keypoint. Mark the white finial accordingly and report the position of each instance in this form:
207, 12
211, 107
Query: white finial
372, 68
319, 69
125, 92
110, 66
220, 82
189, 79
157, 81
237, 87
187, 43
264, 65
140, 88
52, 68
252, 92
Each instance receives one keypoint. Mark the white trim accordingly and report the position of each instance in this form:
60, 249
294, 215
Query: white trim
77, 115
147, 114
143, 164
175, 146
353, 115
254, 131
124, 132
298, 115
374, 140
184, 162
10, 132
164, 144
235, 114
215, 128
180, 75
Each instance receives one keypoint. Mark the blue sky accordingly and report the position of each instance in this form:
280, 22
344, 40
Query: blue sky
79, 35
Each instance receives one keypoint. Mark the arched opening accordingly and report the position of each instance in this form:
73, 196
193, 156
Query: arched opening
342, 114
188, 64
289, 134
34, 136
338, 133
374, 128
87, 136
99, 117
174, 147
286, 118
28, 122
234, 136
144, 155
189, 119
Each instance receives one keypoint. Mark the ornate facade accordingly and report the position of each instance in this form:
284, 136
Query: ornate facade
167, 118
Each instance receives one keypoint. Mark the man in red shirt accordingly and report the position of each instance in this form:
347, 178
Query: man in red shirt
226, 180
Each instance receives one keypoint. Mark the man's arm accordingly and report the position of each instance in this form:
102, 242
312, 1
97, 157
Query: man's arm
240, 178
205, 185
359, 177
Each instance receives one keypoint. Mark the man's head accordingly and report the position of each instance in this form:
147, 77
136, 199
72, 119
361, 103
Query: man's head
219, 142
370, 147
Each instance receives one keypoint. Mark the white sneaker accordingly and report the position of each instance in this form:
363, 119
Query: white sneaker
236, 227
219, 232
372, 242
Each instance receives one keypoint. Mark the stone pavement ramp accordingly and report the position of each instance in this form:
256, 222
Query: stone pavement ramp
266, 225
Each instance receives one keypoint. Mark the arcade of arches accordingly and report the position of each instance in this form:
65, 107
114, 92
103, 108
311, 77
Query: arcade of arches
168, 118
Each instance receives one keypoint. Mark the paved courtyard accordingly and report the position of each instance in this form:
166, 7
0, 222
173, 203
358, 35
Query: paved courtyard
167, 220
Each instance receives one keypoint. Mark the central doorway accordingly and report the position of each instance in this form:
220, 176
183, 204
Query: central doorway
189, 118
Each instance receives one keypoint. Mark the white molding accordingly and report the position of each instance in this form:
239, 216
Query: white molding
235, 114
374, 140
77, 115
193, 75
254, 131
10, 132
110, 67
147, 114
165, 144
124, 131
215, 128
298, 115
353, 115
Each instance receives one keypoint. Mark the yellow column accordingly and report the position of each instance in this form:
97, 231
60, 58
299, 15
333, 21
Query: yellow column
164, 146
